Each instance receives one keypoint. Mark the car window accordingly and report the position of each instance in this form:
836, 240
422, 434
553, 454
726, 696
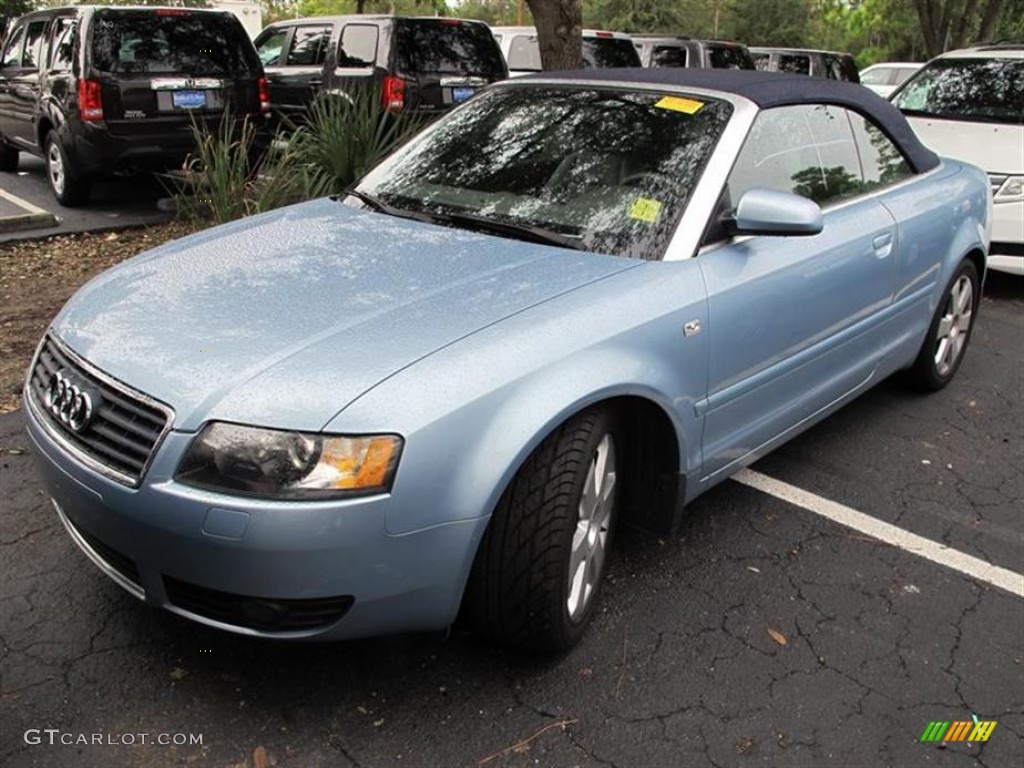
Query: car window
524, 53
609, 53
669, 56
62, 46
808, 150
881, 161
358, 47
609, 169
309, 47
796, 63
33, 54
268, 46
877, 76
12, 51
762, 61
170, 40
982, 90
834, 67
900, 75
729, 57
437, 46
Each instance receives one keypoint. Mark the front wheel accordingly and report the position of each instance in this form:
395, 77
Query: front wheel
70, 189
540, 566
950, 331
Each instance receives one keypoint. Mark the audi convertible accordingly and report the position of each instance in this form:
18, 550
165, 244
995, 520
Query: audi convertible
576, 302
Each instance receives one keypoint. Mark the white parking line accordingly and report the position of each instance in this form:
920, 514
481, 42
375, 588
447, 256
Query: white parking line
21, 203
890, 534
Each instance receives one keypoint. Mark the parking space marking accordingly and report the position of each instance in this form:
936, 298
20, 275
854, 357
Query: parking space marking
22, 203
973, 567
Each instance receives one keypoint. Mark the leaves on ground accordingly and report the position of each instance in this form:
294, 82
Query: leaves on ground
777, 636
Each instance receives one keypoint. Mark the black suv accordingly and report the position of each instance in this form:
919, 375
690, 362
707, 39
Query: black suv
660, 51
97, 90
423, 64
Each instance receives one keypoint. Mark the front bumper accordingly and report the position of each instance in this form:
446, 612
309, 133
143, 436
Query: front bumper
326, 570
1007, 250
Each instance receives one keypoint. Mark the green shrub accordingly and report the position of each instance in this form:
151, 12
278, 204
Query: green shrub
342, 138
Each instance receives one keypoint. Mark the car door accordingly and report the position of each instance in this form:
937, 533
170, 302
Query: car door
24, 85
356, 58
297, 75
10, 69
795, 322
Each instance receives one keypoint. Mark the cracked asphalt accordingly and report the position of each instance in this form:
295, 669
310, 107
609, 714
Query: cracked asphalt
868, 643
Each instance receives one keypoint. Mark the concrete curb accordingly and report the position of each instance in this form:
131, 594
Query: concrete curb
27, 221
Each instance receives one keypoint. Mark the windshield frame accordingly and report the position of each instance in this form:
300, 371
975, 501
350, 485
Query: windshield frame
684, 241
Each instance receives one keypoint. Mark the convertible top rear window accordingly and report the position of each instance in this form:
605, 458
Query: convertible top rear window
604, 169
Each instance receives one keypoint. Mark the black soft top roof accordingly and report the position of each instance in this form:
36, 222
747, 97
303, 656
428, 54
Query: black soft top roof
774, 89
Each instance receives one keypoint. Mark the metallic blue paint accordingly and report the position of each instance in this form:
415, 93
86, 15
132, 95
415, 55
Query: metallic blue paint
473, 348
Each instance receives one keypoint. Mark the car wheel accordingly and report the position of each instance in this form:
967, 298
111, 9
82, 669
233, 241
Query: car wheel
8, 158
950, 331
539, 568
69, 188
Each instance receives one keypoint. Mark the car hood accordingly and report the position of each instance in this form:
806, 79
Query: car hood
993, 147
285, 318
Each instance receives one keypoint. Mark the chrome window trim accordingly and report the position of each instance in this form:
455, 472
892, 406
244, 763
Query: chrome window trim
70, 448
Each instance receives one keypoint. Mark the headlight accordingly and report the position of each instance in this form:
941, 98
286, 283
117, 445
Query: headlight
1011, 191
289, 465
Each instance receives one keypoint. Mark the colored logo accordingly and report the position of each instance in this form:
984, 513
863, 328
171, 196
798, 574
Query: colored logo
959, 730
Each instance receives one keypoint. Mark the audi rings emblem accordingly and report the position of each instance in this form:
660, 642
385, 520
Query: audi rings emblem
71, 400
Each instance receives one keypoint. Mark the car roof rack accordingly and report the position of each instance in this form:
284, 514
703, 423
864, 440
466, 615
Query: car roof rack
1002, 44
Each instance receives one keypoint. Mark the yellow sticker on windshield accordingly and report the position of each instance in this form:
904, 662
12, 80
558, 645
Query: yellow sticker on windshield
645, 209
679, 104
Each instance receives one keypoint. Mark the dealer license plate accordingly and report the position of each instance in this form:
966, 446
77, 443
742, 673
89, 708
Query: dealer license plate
189, 99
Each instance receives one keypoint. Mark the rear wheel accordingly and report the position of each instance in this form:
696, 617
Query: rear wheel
68, 187
540, 566
8, 158
950, 331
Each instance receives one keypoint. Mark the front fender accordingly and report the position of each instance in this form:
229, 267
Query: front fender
472, 413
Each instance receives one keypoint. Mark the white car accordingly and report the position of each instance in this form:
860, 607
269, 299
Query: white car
601, 50
969, 105
886, 77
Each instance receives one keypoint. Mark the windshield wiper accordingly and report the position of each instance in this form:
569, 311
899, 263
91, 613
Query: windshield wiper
526, 232
472, 222
380, 206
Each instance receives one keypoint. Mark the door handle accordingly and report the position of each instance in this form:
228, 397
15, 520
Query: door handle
882, 245
316, 81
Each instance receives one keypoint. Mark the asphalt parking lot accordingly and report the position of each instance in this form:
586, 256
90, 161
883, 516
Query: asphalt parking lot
764, 634
118, 202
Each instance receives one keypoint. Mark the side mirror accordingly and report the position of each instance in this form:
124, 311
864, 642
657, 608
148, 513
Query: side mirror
763, 211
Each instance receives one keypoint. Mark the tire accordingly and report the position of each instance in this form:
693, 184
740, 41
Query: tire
70, 189
949, 332
539, 569
8, 158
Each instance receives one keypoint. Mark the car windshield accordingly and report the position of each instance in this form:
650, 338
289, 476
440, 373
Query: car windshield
604, 170
982, 90
609, 53
450, 46
729, 57
170, 40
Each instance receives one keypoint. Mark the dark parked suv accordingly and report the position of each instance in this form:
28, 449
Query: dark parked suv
97, 90
423, 64
832, 65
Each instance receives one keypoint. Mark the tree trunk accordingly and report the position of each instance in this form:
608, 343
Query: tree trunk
559, 33
990, 19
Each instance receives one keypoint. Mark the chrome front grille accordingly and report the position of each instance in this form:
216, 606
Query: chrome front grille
996, 181
125, 426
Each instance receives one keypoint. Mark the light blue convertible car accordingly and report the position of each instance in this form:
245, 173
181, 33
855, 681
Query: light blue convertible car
578, 301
